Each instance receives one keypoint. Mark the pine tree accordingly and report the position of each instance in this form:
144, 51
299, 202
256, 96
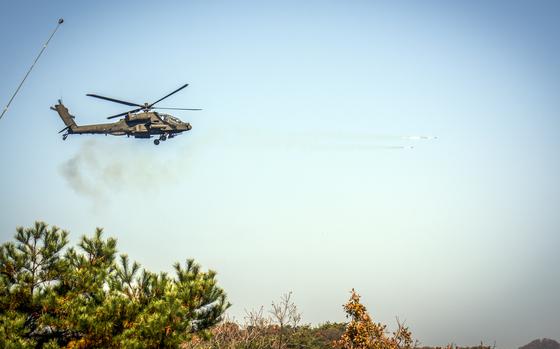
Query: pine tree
52, 296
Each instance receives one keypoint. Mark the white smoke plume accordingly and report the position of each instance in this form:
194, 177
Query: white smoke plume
99, 171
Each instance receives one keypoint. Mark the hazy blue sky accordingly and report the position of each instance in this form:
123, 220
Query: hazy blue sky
296, 175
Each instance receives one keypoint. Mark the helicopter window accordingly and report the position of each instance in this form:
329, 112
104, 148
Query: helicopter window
171, 119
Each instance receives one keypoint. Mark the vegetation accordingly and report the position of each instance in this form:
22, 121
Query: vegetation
266, 334
54, 296
281, 330
362, 333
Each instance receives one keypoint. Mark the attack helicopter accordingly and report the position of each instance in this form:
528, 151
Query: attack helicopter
140, 122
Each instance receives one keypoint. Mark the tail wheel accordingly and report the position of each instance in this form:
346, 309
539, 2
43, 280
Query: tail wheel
64, 137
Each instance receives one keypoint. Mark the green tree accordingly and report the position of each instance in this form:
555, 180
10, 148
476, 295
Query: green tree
54, 296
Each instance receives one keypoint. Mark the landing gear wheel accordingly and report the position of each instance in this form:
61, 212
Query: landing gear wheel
64, 137
162, 138
156, 141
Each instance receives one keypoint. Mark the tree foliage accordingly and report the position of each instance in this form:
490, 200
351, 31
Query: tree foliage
54, 296
362, 333
276, 328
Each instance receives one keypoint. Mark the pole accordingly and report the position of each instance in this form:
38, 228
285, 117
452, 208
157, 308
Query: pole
60, 21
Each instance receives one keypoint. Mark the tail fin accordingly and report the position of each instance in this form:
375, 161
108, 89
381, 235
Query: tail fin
65, 116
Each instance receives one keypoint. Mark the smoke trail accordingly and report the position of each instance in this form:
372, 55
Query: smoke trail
98, 171
318, 140
419, 138
74, 171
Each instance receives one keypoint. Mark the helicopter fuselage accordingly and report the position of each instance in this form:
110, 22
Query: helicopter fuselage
139, 125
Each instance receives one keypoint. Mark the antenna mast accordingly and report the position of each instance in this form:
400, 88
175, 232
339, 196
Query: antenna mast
60, 21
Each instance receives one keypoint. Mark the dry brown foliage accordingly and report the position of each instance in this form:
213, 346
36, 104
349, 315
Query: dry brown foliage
363, 333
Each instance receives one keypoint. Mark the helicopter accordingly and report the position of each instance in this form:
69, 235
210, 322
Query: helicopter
140, 122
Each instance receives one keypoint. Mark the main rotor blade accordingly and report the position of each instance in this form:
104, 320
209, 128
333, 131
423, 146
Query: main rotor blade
161, 99
114, 100
122, 114
175, 108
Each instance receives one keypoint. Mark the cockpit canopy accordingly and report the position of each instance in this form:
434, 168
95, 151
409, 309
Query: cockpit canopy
170, 119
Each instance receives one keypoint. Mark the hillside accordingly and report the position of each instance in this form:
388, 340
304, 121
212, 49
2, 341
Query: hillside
544, 343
